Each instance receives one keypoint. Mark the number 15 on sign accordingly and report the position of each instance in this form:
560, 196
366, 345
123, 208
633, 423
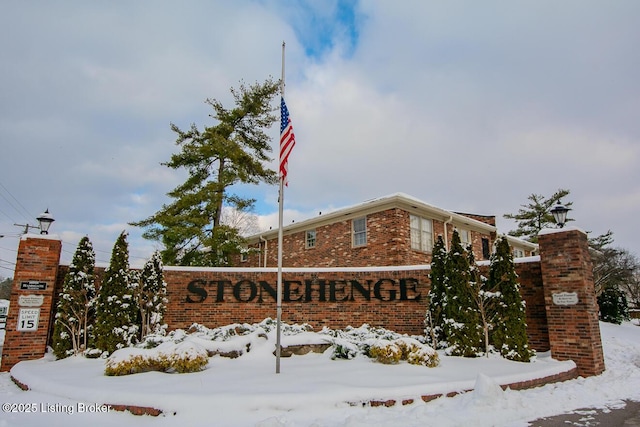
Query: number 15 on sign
28, 319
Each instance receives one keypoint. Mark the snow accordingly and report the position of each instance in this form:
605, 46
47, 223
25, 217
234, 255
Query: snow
545, 231
313, 390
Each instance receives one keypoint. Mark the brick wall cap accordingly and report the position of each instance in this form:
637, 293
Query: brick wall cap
546, 231
40, 236
298, 269
519, 260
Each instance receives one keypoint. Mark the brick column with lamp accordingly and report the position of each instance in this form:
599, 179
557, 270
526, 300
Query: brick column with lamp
570, 299
31, 304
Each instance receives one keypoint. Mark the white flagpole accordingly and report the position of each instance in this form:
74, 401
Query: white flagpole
280, 210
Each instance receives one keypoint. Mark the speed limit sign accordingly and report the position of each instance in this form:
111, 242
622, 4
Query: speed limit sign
28, 319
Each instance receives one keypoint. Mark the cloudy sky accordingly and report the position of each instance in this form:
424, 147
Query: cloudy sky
469, 106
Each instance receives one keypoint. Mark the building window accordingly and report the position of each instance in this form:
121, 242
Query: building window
360, 231
310, 239
465, 238
486, 251
244, 256
421, 234
518, 253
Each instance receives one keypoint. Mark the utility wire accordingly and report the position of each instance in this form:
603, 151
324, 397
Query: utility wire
25, 213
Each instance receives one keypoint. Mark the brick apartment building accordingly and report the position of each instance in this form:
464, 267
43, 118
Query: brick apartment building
392, 230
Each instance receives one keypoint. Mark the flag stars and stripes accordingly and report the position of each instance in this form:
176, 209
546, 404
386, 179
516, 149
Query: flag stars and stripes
287, 140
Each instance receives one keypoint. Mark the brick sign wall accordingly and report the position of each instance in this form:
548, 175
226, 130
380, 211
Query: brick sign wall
391, 297
395, 299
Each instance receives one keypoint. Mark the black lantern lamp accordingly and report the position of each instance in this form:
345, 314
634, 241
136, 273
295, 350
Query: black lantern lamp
559, 213
45, 219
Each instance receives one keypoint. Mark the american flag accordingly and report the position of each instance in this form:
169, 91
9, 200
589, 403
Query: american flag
287, 140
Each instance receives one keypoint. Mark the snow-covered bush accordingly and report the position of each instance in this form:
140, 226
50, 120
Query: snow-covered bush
180, 358
168, 352
425, 356
409, 349
417, 353
387, 352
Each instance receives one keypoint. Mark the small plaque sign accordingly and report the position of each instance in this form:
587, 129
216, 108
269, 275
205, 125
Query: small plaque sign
565, 298
28, 319
33, 285
30, 300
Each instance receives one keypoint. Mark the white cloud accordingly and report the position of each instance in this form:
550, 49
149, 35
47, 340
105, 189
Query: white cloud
469, 107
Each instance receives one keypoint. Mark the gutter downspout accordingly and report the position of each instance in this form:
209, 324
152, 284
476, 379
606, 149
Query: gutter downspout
265, 250
446, 233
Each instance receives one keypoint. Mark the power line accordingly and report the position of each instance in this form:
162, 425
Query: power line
28, 216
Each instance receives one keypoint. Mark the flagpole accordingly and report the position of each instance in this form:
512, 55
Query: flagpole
280, 211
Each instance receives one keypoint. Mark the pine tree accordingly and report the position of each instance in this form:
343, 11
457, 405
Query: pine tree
74, 311
117, 322
437, 294
233, 151
613, 305
536, 215
509, 335
461, 322
152, 296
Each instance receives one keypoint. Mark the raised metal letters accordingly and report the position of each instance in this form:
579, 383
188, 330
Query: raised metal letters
244, 290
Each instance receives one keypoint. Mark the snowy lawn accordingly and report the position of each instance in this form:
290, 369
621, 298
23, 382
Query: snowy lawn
313, 390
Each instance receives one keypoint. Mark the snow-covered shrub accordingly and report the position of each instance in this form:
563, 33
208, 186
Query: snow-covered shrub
425, 356
180, 358
344, 350
387, 352
416, 353
405, 348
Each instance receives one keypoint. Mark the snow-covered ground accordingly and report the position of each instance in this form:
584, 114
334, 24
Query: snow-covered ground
312, 390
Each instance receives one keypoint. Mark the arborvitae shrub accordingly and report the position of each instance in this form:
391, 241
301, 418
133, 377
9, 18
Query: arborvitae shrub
117, 323
509, 333
461, 322
437, 294
74, 310
152, 296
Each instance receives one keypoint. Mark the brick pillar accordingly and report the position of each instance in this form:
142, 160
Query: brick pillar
570, 299
30, 308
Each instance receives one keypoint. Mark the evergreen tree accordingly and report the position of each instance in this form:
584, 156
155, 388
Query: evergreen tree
74, 311
461, 322
536, 215
509, 335
233, 151
613, 305
152, 296
437, 294
116, 311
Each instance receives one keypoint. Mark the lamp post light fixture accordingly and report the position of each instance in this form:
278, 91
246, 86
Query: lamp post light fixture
44, 220
559, 213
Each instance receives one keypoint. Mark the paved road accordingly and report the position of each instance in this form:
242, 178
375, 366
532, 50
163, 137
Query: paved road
629, 416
